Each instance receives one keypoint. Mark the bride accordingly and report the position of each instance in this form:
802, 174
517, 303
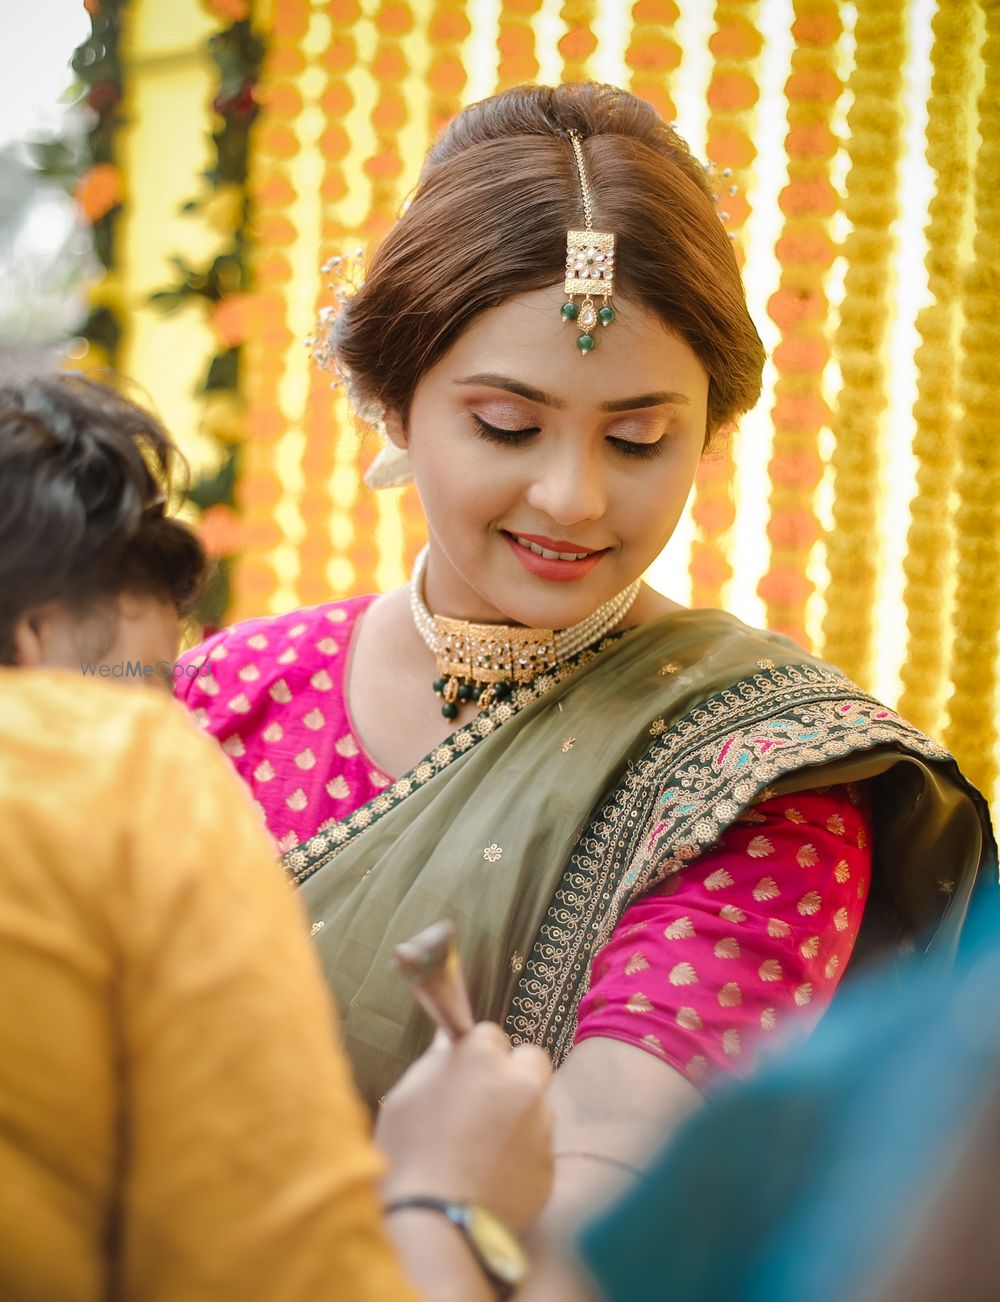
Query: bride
663, 836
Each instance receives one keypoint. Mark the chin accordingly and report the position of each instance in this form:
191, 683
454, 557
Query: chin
554, 607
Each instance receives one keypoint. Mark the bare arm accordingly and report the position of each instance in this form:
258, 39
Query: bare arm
615, 1106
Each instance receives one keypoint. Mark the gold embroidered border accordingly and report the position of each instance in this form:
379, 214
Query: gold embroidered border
698, 775
319, 850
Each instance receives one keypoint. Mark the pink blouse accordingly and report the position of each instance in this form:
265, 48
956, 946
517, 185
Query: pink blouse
753, 935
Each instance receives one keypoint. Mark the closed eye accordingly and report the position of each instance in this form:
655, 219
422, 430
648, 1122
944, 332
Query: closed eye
642, 450
505, 437
515, 437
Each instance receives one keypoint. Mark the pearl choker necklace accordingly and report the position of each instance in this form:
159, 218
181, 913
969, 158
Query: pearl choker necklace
482, 663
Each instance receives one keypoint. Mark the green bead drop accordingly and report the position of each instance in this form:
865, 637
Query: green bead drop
439, 685
606, 315
585, 343
569, 311
449, 710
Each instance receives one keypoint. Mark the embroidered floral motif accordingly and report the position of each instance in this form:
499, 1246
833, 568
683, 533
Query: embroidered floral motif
726, 752
493, 853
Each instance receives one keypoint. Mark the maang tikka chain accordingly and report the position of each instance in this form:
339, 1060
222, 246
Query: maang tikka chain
590, 266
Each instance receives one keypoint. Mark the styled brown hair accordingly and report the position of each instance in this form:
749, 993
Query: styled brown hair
488, 221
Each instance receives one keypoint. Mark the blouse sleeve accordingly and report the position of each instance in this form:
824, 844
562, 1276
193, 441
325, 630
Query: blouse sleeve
751, 938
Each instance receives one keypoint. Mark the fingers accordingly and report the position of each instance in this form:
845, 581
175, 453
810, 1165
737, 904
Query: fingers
530, 1063
528, 1060
487, 1035
533, 1062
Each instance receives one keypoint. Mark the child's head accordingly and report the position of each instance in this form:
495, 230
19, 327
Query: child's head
92, 570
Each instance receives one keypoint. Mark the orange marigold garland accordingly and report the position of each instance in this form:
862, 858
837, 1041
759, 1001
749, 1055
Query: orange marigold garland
578, 42
732, 97
275, 144
447, 31
653, 54
389, 67
516, 43
875, 140
800, 309
930, 552
319, 514
972, 726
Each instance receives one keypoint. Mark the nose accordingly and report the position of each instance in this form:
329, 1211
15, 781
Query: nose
568, 486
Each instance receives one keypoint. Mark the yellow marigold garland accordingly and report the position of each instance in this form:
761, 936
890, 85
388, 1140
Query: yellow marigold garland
972, 726
579, 42
800, 310
875, 138
732, 97
516, 43
258, 490
930, 553
653, 54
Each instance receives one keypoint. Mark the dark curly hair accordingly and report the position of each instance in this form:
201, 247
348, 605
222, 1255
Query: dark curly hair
84, 478
488, 221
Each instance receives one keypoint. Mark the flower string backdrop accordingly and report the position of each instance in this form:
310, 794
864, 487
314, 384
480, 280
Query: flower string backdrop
930, 559
98, 191
854, 151
800, 308
733, 92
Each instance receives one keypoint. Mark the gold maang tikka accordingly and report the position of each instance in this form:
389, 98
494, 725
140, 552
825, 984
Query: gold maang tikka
590, 267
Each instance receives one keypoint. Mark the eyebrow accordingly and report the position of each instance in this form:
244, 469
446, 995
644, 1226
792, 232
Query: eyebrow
494, 381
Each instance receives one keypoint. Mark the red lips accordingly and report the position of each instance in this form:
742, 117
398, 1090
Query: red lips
555, 544
557, 571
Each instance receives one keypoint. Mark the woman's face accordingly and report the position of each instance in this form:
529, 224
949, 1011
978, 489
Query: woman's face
521, 444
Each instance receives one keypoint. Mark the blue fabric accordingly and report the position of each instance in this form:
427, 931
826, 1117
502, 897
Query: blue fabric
802, 1183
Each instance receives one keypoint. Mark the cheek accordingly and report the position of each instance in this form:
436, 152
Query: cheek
461, 475
651, 504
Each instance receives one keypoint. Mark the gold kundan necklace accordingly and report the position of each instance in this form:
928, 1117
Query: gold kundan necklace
482, 663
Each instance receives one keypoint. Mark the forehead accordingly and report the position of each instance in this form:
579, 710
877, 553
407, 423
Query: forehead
527, 339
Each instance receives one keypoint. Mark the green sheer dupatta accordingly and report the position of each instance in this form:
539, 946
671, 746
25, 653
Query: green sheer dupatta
534, 825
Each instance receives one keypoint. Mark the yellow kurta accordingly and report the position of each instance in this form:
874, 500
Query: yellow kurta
176, 1118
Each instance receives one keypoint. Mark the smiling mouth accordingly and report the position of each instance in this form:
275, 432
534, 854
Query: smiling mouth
548, 554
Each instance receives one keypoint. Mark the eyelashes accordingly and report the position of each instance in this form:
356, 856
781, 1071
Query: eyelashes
505, 437
518, 437
644, 451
